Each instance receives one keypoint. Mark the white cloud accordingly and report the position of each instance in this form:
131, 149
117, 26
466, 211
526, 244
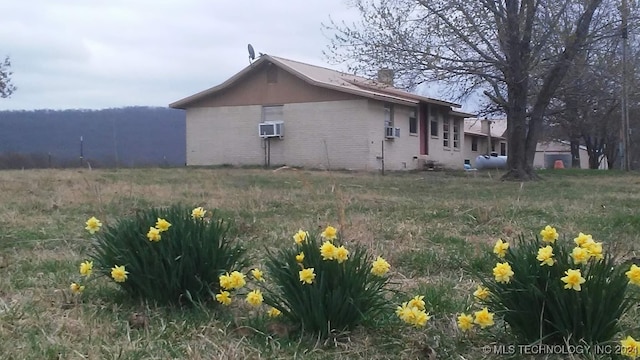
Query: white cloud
97, 54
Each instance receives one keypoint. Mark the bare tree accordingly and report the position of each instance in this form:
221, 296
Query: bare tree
498, 47
587, 106
6, 87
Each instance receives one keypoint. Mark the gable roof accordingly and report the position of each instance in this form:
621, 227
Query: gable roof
474, 127
329, 79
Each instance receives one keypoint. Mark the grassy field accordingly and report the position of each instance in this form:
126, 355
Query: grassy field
428, 225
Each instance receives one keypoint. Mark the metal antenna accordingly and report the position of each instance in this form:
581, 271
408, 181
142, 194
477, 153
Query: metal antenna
252, 53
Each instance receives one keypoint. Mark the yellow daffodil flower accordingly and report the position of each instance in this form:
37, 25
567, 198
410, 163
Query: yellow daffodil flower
162, 225
549, 234
300, 236
481, 293
224, 298
198, 213
500, 248
595, 249
580, 255
483, 318
330, 233
503, 273
153, 234
76, 288
328, 251
273, 312
417, 302
119, 274
634, 275
307, 275
380, 267
582, 239
254, 298
465, 322
257, 274
341, 254
237, 280
545, 256
86, 268
629, 347
93, 225
573, 280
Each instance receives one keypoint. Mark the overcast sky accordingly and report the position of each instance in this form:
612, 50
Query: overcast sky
95, 54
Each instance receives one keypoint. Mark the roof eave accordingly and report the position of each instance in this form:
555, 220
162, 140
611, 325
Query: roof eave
371, 95
182, 103
460, 114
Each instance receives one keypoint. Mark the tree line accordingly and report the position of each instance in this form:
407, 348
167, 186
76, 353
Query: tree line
118, 137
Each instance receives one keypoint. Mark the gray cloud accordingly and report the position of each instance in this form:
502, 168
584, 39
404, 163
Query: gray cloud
97, 54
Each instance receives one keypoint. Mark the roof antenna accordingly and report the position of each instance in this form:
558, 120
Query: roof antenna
252, 53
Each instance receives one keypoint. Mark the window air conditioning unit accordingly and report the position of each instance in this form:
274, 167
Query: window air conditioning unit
391, 132
271, 129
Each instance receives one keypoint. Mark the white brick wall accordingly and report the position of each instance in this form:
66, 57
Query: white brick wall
399, 153
344, 134
224, 135
315, 135
449, 157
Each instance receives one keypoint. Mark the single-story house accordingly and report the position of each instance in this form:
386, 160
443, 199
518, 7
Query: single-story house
284, 112
483, 137
547, 152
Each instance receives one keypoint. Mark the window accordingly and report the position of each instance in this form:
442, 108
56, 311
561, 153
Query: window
503, 149
388, 115
445, 133
272, 113
434, 127
474, 143
493, 146
456, 134
413, 122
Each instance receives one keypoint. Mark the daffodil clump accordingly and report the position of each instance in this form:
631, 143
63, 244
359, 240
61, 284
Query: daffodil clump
554, 291
481, 318
413, 312
169, 255
232, 284
323, 284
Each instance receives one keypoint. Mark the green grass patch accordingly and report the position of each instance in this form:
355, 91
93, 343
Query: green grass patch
435, 228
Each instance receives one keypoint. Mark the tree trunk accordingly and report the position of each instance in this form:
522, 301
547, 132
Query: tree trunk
593, 151
571, 111
575, 152
518, 166
525, 135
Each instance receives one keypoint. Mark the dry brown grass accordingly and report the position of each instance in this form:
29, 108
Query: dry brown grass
405, 217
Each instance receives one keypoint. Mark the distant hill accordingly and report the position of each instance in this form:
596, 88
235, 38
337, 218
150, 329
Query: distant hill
126, 137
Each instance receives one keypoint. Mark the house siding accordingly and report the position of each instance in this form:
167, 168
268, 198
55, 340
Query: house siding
316, 135
448, 157
338, 134
483, 147
560, 149
255, 89
322, 127
401, 153
220, 135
